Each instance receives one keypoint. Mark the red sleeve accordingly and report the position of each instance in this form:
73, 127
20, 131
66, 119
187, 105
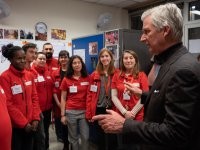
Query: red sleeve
144, 82
17, 117
35, 103
88, 113
114, 81
55, 90
63, 85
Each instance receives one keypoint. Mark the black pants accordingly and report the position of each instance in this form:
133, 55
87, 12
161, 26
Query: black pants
99, 137
21, 140
65, 137
47, 122
39, 136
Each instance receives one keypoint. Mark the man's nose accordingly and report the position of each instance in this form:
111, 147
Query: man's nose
143, 38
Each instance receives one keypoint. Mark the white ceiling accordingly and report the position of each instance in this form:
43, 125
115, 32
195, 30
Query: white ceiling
117, 3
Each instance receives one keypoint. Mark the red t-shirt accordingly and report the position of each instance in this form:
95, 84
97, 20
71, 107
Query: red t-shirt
76, 92
118, 83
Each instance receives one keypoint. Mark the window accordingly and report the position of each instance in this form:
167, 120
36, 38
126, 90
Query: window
194, 11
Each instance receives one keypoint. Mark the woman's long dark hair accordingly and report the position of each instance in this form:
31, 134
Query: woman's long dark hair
70, 71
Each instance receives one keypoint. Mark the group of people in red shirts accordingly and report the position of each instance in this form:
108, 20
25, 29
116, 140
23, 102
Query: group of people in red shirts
64, 86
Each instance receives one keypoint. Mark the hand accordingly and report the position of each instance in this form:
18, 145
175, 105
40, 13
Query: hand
132, 89
111, 122
129, 114
90, 120
64, 120
34, 125
28, 128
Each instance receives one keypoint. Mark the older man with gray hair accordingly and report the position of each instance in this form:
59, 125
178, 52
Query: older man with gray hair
172, 106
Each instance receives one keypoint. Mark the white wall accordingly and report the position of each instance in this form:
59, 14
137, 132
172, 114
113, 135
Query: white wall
78, 18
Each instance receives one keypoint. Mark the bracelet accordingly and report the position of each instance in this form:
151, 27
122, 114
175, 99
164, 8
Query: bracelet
62, 115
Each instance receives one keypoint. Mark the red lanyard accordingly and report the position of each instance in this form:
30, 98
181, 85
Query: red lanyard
106, 86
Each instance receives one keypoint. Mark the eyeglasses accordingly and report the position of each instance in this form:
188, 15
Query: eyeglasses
48, 49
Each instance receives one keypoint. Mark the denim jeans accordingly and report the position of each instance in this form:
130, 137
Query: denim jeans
76, 123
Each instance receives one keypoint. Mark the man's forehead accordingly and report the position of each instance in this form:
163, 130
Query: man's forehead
47, 46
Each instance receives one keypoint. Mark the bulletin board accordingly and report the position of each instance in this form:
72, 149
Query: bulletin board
88, 48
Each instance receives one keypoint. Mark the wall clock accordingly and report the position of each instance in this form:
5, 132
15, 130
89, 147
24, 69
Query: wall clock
41, 27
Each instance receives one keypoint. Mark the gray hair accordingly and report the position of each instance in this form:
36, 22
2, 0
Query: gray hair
166, 15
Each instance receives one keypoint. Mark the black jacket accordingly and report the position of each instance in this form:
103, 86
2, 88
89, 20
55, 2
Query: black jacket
172, 107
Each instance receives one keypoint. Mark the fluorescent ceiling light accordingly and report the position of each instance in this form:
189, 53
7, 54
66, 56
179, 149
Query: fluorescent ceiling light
195, 12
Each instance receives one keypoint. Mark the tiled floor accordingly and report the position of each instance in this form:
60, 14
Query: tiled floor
54, 144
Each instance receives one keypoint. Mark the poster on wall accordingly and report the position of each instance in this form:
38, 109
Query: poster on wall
41, 36
10, 34
114, 50
112, 37
26, 34
93, 48
58, 34
80, 52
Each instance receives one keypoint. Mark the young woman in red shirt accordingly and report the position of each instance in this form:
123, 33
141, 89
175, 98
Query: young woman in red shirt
22, 100
73, 102
99, 99
58, 75
126, 103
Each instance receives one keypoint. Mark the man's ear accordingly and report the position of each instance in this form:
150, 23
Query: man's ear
166, 31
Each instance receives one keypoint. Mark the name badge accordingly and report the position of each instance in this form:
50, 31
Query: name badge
84, 83
54, 68
136, 84
35, 80
28, 83
16, 89
48, 77
56, 84
2, 91
73, 89
93, 88
126, 96
40, 79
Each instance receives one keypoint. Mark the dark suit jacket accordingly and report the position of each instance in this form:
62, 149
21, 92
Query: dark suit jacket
172, 108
